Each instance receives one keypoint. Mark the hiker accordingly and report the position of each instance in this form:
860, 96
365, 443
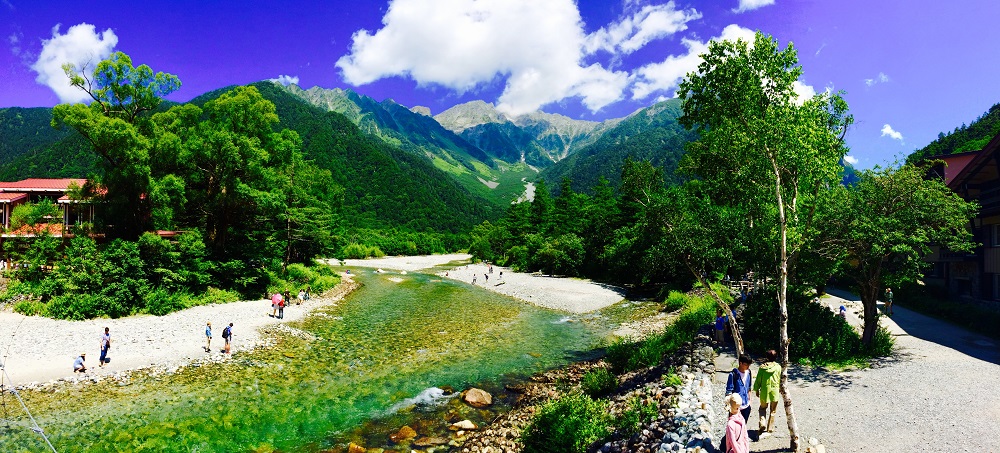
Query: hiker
843, 313
274, 303
78, 366
281, 309
720, 328
740, 382
302, 296
737, 439
473, 279
105, 346
888, 301
487, 277
227, 334
208, 336
766, 388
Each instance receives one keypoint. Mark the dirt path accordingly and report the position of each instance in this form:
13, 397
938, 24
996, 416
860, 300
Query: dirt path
935, 393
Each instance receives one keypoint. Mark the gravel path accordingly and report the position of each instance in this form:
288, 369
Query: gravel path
934, 394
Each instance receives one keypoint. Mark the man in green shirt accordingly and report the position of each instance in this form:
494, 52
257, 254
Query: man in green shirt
766, 387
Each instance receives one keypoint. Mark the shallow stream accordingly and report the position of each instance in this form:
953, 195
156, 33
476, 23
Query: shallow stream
358, 371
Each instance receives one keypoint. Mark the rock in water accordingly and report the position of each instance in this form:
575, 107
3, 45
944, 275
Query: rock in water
355, 448
464, 425
478, 398
404, 433
429, 442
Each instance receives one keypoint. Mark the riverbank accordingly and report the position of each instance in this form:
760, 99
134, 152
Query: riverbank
38, 349
571, 295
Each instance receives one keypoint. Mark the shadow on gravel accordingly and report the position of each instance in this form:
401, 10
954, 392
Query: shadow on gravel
820, 376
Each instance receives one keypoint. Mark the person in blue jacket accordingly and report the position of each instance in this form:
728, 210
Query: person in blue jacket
740, 382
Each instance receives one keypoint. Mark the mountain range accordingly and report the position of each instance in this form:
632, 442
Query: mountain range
467, 161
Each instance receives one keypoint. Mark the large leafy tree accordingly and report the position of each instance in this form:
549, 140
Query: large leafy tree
885, 225
765, 149
118, 130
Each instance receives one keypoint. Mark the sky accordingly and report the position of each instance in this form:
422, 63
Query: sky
908, 69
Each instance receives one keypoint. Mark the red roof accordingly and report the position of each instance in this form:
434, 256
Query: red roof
7, 197
42, 184
55, 229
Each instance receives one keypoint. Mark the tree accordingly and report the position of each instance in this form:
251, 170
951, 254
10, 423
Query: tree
886, 225
119, 133
763, 148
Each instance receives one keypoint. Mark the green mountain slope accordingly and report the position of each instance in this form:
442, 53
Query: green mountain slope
965, 138
25, 129
651, 134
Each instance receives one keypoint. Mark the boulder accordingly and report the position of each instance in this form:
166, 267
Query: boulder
355, 448
464, 425
477, 398
405, 433
429, 442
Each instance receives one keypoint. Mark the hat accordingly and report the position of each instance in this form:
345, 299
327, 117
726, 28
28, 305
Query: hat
83, 354
843, 308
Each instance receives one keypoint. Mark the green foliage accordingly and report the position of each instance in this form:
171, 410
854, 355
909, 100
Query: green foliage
358, 251
569, 424
626, 355
676, 300
671, 379
883, 343
30, 308
45, 211
160, 302
599, 382
962, 139
217, 296
638, 412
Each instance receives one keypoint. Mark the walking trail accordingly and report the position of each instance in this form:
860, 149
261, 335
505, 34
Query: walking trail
935, 393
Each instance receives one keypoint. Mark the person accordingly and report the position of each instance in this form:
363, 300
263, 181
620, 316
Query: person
78, 366
208, 336
740, 382
720, 327
302, 296
487, 277
766, 388
274, 303
501, 275
737, 440
227, 334
281, 309
105, 346
888, 301
843, 313
473, 279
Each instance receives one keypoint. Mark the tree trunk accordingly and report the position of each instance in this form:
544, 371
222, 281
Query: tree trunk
786, 397
869, 299
737, 338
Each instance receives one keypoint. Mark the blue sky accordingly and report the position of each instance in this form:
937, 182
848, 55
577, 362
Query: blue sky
910, 69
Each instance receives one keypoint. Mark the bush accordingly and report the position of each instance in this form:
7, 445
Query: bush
76, 307
217, 296
30, 307
160, 302
628, 355
599, 382
676, 300
818, 335
637, 413
567, 425
671, 379
882, 344
360, 251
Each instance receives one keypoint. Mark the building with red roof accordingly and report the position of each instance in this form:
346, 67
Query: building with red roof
33, 190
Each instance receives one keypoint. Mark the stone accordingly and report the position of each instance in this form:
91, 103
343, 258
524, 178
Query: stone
465, 425
405, 433
429, 442
355, 448
477, 398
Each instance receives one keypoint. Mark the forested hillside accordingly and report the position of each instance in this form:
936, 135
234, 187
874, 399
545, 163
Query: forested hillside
964, 138
651, 134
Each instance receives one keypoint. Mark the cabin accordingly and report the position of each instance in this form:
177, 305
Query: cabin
32, 190
975, 176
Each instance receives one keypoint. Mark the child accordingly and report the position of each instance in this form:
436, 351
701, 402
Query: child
737, 440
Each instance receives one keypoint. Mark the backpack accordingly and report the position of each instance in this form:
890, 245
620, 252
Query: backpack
226, 333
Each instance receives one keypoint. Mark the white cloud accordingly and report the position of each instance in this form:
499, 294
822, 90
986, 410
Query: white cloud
749, 5
851, 160
633, 32
286, 80
887, 130
666, 75
880, 78
535, 47
82, 47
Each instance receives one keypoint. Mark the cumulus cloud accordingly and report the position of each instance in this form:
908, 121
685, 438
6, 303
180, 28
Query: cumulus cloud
535, 47
851, 160
750, 5
880, 78
887, 130
82, 47
286, 80
667, 74
631, 33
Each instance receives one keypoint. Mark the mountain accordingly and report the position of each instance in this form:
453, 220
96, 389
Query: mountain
538, 139
652, 134
965, 138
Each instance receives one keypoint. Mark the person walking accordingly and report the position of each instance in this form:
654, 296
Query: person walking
208, 337
227, 334
281, 309
888, 301
275, 298
105, 346
740, 382
737, 439
720, 328
766, 388
78, 366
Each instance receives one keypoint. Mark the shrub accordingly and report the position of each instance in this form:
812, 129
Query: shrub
599, 382
30, 307
637, 412
671, 379
160, 302
76, 307
628, 355
675, 301
567, 425
217, 296
360, 251
882, 344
